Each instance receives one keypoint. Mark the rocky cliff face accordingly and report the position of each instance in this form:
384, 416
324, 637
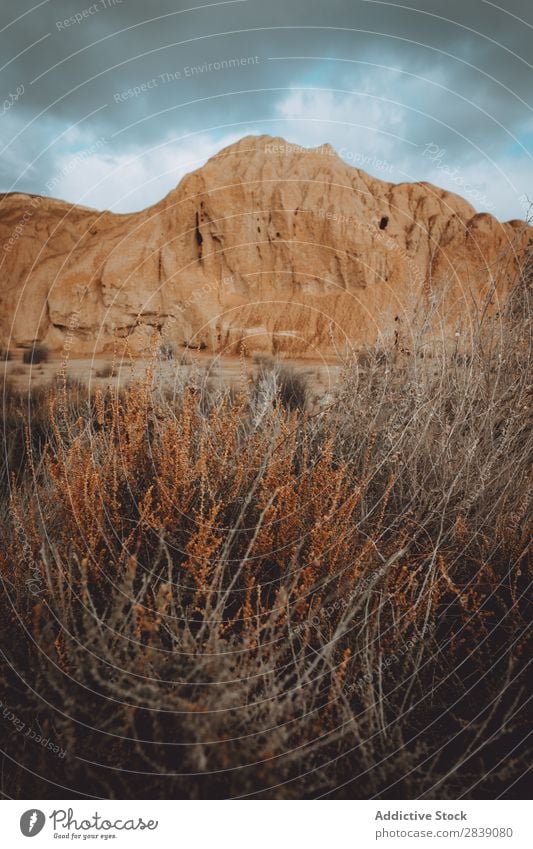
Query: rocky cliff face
290, 250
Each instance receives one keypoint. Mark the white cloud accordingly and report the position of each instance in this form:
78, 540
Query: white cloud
355, 123
126, 182
315, 116
365, 130
495, 188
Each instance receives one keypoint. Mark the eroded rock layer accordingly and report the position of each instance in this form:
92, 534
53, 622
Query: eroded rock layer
291, 251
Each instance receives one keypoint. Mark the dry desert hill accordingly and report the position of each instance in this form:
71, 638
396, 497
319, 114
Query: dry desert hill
290, 250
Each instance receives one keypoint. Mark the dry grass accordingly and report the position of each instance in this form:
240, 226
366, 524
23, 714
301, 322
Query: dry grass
214, 594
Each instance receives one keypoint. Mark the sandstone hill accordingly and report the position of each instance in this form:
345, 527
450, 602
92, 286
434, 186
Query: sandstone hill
289, 249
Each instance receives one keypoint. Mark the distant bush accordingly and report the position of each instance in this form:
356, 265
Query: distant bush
105, 371
293, 388
167, 351
283, 383
5, 355
35, 354
195, 346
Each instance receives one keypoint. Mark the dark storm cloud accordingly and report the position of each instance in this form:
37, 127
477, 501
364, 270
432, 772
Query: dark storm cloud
452, 73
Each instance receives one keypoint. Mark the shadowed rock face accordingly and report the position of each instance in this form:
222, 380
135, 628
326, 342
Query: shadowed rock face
289, 249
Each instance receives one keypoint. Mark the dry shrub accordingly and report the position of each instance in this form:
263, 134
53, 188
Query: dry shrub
106, 370
231, 596
167, 351
35, 355
276, 382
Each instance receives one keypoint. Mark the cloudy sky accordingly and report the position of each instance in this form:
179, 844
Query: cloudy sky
109, 103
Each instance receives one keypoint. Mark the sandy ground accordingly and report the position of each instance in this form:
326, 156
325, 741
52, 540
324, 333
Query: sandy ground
102, 370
